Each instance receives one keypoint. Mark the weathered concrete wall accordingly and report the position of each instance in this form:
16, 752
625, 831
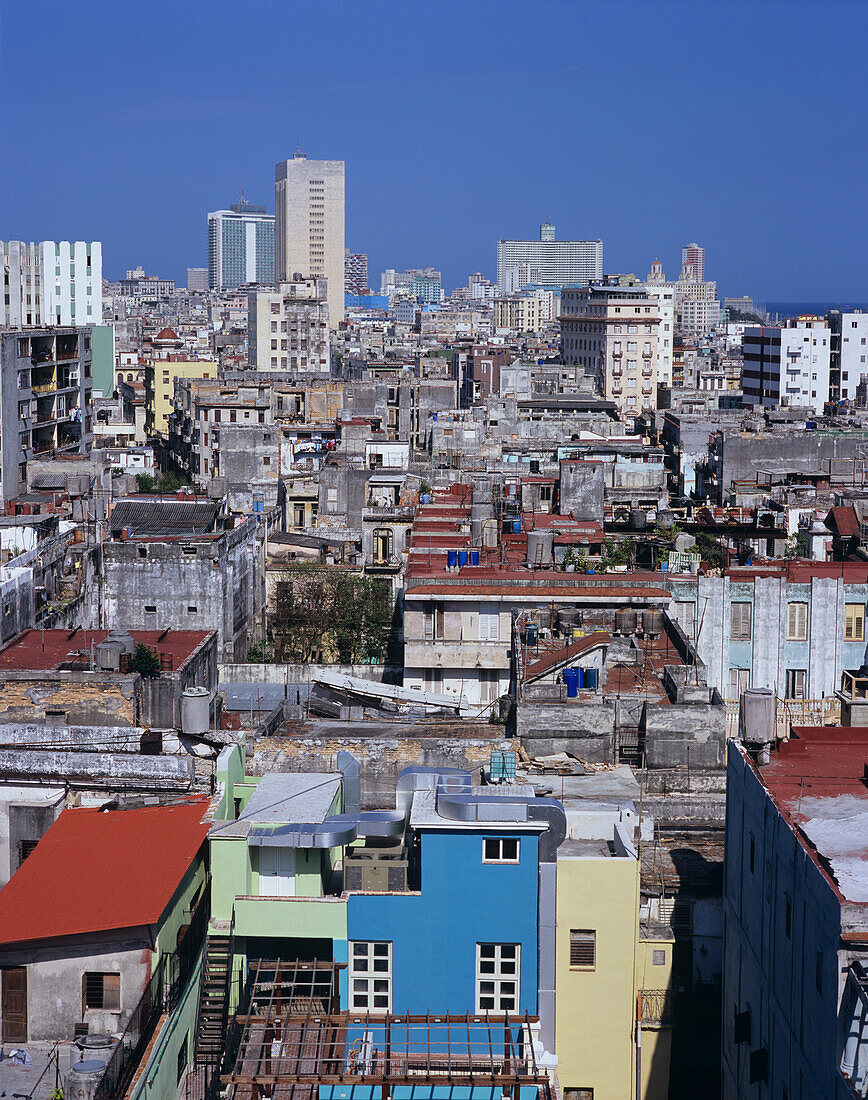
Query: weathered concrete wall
381, 758
25, 815
582, 490
586, 730
99, 769
690, 736
303, 674
76, 698
54, 982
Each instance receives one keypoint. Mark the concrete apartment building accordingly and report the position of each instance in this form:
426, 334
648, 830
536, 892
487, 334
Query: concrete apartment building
51, 283
550, 262
788, 365
149, 288
612, 332
796, 916
160, 377
288, 329
849, 343
356, 273
241, 246
197, 279
309, 225
45, 390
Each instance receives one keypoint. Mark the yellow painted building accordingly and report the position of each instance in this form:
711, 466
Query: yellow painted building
610, 970
160, 375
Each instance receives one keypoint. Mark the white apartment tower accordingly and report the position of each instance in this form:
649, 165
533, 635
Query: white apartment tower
51, 283
309, 225
552, 262
612, 332
788, 366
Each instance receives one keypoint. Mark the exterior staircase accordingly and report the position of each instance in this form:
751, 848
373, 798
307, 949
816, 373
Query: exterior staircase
214, 995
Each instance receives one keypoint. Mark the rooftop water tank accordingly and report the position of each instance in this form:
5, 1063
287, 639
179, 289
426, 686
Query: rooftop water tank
82, 1079
625, 621
652, 621
540, 545
195, 710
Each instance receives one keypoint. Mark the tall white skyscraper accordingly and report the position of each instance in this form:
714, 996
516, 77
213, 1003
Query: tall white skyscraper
309, 226
51, 283
240, 246
552, 262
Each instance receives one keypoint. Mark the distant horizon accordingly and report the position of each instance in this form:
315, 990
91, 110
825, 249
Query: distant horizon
456, 141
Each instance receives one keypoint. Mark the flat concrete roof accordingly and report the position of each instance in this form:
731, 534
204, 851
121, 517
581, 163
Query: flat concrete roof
424, 814
292, 798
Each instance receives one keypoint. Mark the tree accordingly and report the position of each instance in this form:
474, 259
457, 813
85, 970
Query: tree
329, 615
711, 551
144, 661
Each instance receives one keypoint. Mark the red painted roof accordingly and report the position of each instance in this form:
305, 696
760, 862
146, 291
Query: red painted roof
845, 520
488, 590
45, 650
97, 871
166, 334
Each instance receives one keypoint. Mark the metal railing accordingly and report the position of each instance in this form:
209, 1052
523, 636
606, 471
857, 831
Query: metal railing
792, 712
657, 1007
161, 995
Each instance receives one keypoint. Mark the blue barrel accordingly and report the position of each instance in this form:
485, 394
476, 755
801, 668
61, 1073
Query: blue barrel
591, 679
474, 557
581, 675
516, 526
530, 634
424, 498
451, 559
434, 416
571, 679
462, 558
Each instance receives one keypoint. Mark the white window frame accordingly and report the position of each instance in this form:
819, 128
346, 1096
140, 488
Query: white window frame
370, 981
797, 621
489, 623
493, 848
854, 622
498, 967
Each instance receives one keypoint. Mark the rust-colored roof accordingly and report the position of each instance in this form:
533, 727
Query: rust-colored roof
542, 591
46, 650
98, 871
562, 656
167, 334
845, 520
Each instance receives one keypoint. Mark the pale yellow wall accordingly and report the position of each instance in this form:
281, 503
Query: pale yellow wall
596, 1009
656, 1039
163, 392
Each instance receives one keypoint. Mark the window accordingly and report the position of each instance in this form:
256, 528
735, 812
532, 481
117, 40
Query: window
739, 622
500, 849
685, 616
739, 682
383, 545
192, 609
583, 949
101, 991
658, 957
150, 609
497, 977
788, 916
489, 623
371, 975
797, 622
182, 1060
818, 971
797, 679
854, 622
752, 854
578, 1094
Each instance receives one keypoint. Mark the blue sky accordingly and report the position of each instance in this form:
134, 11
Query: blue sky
650, 124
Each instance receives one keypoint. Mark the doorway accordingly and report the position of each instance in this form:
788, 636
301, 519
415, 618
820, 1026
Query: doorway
14, 1005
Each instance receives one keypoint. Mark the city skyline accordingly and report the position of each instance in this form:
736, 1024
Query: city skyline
773, 232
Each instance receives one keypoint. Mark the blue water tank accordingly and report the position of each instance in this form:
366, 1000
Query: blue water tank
571, 679
434, 416
530, 634
516, 526
462, 558
424, 498
591, 679
452, 559
581, 674
474, 557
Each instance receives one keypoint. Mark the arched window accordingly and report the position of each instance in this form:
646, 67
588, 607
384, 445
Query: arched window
383, 545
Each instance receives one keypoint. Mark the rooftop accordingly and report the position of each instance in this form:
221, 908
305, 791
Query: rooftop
105, 869
161, 516
425, 814
817, 780
292, 798
56, 650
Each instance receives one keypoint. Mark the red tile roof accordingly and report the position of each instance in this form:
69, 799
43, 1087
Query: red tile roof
98, 871
489, 590
845, 520
45, 650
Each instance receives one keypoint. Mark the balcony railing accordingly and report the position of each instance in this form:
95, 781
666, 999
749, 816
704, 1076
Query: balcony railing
657, 1007
792, 712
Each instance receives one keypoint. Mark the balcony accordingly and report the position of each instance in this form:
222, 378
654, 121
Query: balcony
376, 564
657, 1007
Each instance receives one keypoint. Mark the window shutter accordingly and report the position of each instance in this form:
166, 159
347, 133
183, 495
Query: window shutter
854, 622
797, 621
740, 620
583, 948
